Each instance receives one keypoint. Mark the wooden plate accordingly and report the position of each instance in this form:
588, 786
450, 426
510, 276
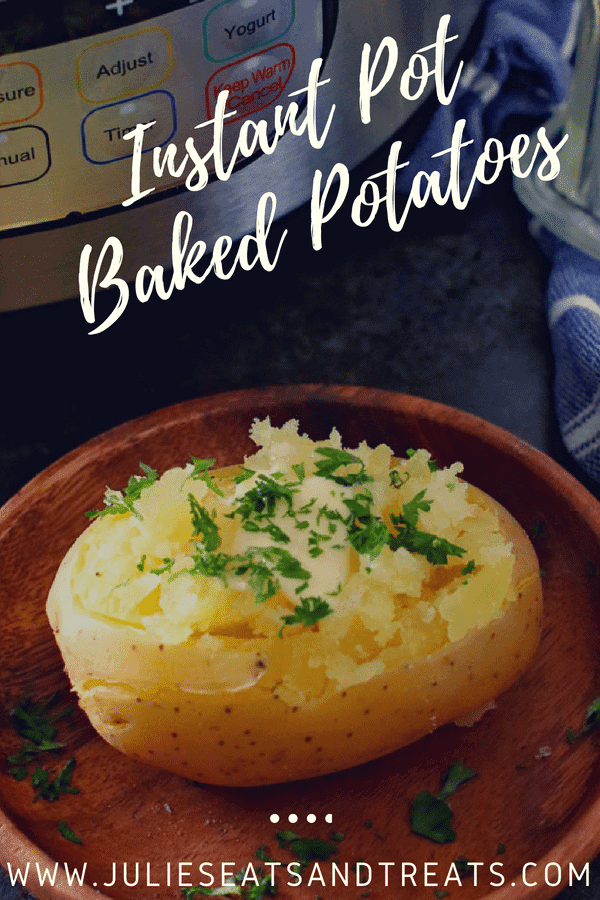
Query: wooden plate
536, 796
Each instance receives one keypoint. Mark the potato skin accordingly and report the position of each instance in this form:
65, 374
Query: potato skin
240, 732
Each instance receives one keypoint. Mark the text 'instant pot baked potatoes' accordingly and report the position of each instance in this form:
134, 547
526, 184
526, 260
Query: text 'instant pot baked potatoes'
301, 613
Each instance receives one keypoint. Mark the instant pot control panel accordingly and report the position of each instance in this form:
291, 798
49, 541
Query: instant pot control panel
76, 77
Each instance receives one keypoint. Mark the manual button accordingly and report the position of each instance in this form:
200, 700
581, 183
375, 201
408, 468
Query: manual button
124, 66
24, 155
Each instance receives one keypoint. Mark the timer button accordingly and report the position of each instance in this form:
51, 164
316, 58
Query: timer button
124, 66
239, 26
20, 92
103, 130
24, 155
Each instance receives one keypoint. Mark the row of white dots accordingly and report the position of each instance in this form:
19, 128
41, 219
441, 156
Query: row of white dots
293, 818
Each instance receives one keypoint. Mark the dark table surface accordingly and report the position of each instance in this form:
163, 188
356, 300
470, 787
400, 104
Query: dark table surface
451, 308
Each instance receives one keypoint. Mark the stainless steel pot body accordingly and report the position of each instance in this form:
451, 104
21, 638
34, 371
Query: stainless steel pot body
66, 161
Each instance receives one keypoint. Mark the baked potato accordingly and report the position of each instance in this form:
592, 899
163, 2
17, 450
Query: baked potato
306, 611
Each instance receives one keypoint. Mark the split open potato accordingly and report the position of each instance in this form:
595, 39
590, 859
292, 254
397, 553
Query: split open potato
306, 611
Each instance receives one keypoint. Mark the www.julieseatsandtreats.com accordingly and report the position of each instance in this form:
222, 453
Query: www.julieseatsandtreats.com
219, 876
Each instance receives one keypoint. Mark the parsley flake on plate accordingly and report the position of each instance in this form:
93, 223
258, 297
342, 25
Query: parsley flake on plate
591, 721
51, 789
306, 849
68, 833
431, 816
35, 725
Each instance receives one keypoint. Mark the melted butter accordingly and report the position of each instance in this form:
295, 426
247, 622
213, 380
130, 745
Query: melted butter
316, 502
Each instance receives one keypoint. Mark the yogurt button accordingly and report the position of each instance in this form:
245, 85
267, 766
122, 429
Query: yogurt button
239, 26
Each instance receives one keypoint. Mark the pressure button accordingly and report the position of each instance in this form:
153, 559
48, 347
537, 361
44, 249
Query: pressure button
20, 92
124, 66
239, 26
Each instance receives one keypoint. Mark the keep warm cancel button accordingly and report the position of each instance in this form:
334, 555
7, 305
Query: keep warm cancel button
252, 83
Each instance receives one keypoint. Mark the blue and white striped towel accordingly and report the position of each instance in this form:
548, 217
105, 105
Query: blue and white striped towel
574, 317
522, 67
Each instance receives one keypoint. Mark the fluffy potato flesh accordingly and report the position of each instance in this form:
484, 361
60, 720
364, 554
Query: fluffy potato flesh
305, 612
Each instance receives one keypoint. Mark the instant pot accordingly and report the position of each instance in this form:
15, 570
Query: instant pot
77, 76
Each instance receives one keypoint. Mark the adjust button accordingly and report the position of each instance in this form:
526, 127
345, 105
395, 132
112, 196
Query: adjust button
124, 66
103, 130
239, 26
24, 155
20, 92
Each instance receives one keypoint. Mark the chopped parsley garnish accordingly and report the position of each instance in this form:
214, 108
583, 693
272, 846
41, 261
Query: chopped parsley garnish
265, 508
261, 566
306, 849
35, 726
212, 565
250, 883
314, 542
51, 789
118, 503
244, 475
396, 479
282, 562
432, 463
203, 524
308, 612
167, 565
456, 775
410, 510
273, 495
253, 565
368, 534
266, 887
591, 721
335, 459
200, 473
435, 549
463, 866
260, 502
68, 833
431, 816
